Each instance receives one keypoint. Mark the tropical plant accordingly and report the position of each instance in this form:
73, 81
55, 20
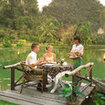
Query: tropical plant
66, 34
69, 93
48, 30
7, 44
85, 33
99, 99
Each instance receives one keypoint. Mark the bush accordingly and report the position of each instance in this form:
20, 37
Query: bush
19, 45
7, 44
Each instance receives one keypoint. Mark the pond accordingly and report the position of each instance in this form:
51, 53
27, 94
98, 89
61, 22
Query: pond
13, 55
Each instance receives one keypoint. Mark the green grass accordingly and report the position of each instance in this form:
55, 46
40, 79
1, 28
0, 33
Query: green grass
2, 102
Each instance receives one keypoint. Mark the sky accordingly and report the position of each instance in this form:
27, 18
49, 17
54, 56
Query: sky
102, 1
42, 3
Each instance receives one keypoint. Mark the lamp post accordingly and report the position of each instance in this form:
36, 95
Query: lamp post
104, 56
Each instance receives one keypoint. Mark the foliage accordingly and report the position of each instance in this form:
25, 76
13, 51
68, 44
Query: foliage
100, 99
72, 11
98, 39
2, 102
85, 33
83, 30
66, 34
57, 23
48, 30
7, 44
20, 18
67, 92
19, 45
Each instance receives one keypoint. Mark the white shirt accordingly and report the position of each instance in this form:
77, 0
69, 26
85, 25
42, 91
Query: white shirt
77, 48
31, 58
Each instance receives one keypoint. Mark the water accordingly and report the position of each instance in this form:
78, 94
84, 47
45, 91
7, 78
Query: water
13, 55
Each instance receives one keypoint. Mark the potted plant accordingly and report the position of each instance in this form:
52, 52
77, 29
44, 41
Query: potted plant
70, 95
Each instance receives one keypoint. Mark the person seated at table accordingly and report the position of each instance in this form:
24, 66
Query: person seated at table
49, 57
33, 62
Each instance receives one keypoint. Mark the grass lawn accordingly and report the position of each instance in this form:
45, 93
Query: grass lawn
2, 102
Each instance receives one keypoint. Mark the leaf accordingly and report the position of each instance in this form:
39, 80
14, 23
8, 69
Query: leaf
100, 94
65, 85
97, 104
102, 102
67, 89
76, 88
103, 98
68, 94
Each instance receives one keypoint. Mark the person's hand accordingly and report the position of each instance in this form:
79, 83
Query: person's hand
78, 54
32, 65
40, 61
44, 62
68, 54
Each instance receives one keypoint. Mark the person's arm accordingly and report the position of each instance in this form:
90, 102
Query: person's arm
54, 57
43, 57
36, 64
72, 50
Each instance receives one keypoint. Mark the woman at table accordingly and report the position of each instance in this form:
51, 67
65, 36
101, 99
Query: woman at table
49, 57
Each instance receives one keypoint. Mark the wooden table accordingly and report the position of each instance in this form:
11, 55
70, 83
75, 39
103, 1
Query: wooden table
54, 69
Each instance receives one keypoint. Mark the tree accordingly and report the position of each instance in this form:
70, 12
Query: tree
73, 11
47, 31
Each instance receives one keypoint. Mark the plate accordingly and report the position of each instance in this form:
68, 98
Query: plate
49, 64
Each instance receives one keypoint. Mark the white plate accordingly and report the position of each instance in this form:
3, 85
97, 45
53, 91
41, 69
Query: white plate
49, 64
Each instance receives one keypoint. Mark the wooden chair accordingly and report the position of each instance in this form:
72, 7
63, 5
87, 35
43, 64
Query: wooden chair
30, 74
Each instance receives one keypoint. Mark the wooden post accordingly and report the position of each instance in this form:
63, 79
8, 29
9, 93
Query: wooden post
74, 84
90, 77
12, 78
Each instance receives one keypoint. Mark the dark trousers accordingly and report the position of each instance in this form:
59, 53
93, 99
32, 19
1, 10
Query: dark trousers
44, 77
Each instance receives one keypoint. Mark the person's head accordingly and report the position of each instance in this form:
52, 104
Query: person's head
77, 39
35, 47
49, 48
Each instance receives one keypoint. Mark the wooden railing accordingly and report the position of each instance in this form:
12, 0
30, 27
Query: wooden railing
13, 68
87, 77
74, 75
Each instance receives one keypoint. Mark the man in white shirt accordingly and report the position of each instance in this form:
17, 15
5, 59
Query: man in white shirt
32, 61
32, 57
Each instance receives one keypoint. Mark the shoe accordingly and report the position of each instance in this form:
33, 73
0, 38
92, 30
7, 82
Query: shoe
39, 89
45, 89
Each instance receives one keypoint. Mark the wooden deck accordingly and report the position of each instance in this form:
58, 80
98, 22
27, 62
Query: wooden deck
30, 96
